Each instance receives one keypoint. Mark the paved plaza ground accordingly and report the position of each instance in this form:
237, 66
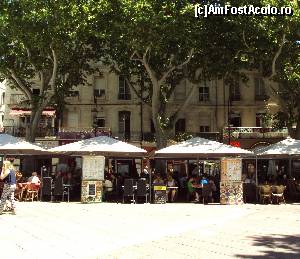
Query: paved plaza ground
108, 230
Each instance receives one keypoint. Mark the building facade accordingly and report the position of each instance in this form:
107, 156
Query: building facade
230, 114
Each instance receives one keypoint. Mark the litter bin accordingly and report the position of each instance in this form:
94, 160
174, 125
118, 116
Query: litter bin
160, 194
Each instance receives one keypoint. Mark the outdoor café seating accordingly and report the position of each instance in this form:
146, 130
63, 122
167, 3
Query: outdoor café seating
46, 188
249, 192
278, 194
265, 193
206, 193
32, 191
293, 190
129, 190
141, 189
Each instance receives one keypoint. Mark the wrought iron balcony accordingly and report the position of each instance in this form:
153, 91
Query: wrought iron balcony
254, 132
83, 133
41, 132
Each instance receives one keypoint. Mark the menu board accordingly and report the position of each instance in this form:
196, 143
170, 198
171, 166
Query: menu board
231, 169
93, 167
92, 189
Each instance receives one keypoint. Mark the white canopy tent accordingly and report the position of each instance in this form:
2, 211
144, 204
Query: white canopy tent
200, 148
10, 145
285, 148
101, 145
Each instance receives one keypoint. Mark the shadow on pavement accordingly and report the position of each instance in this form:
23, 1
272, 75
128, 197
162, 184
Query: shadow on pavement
277, 246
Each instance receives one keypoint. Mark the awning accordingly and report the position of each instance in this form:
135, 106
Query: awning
20, 112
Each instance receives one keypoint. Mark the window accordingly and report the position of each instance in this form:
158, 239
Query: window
260, 94
180, 126
36, 91
259, 119
99, 93
124, 91
235, 120
180, 91
2, 99
99, 87
235, 94
124, 124
204, 129
100, 122
203, 93
152, 128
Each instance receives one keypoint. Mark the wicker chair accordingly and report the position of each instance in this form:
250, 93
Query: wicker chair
265, 193
278, 193
32, 192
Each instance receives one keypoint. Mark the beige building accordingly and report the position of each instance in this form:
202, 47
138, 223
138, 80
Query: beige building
108, 103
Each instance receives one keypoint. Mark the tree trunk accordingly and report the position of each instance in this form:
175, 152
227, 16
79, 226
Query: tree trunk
161, 138
31, 129
297, 133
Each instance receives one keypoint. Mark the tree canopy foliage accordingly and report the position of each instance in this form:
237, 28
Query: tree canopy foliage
43, 44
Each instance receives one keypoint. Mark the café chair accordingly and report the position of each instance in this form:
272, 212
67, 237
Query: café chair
265, 193
278, 193
128, 190
142, 189
32, 192
206, 193
58, 188
46, 187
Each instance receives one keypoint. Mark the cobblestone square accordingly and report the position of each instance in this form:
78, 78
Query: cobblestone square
107, 230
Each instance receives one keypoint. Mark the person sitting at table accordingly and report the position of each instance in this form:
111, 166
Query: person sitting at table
108, 187
158, 179
34, 179
145, 173
171, 192
191, 188
204, 180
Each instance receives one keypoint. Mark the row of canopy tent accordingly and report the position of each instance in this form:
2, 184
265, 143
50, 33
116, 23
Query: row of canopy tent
110, 147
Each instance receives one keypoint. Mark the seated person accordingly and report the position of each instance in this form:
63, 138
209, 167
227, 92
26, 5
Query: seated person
107, 188
34, 179
108, 174
191, 188
204, 180
171, 192
158, 179
145, 173
108, 185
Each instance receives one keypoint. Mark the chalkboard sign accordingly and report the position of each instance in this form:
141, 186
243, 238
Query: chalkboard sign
92, 189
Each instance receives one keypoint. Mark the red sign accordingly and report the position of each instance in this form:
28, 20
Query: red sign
235, 143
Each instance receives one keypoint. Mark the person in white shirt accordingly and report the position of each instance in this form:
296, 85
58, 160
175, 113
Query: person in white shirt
34, 178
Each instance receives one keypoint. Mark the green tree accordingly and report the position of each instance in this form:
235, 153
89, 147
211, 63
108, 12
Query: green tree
156, 44
272, 42
44, 44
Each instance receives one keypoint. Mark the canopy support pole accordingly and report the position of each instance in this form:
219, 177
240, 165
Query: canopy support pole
150, 182
256, 179
290, 167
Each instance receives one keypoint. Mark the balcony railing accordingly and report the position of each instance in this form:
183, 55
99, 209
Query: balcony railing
254, 132
83, 133
41, 132
150, 137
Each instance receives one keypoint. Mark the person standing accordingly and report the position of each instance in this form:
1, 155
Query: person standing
8, 175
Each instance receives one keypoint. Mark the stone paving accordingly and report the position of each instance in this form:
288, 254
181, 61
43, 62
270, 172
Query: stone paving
107, 230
